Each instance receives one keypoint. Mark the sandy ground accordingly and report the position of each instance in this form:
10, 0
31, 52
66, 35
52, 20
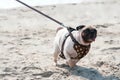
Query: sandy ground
26, 42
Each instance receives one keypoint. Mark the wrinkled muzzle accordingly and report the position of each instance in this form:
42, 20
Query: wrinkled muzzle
89, 35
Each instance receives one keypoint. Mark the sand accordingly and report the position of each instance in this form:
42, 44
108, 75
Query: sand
26, 42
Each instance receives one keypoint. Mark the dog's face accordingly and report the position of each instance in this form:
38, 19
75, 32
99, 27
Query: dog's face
88, 33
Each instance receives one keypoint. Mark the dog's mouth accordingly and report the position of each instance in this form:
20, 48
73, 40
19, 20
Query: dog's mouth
91, 40
92, 37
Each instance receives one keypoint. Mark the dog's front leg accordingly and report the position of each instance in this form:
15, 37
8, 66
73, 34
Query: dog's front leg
69, 60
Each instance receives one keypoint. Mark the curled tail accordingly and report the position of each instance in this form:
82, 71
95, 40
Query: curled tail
59, 28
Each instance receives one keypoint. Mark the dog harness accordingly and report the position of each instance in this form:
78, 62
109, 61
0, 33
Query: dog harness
80, 49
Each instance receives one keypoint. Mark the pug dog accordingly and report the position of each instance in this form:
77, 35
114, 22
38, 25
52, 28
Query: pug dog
84, 35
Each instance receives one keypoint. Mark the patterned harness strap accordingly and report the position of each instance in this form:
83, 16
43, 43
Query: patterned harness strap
62, 48
80, 49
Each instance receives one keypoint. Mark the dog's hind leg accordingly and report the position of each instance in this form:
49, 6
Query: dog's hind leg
56, 53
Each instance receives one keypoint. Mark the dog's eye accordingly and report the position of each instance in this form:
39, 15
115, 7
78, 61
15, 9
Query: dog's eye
87, 30
93, 31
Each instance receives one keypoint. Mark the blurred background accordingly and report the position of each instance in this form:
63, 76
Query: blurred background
12, 3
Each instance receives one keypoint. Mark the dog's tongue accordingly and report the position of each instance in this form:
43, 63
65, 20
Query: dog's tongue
94, 39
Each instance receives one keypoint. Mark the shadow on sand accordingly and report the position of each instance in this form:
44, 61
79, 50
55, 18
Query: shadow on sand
88, 73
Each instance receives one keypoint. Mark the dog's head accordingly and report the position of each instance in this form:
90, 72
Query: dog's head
88, 33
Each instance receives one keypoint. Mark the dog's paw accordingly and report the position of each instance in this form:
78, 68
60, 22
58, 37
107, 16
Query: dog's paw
67, 63
71, 63
55, 62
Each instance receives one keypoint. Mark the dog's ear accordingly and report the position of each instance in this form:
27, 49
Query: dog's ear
80, 27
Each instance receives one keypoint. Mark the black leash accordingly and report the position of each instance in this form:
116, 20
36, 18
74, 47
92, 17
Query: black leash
42, 13
68, 28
